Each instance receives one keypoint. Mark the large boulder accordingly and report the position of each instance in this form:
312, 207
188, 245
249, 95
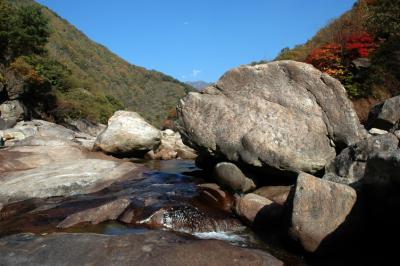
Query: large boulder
386, 114
283, 115
11, 112
128, 133
319, 208
351, 162
149, 248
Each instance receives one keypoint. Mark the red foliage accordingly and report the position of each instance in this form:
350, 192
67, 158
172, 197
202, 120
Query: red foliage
333, 58
360, 45
325, 57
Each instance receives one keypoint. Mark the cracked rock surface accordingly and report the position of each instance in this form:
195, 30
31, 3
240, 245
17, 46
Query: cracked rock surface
285, 115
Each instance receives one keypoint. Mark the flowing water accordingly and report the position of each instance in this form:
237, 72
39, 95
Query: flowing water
164, 197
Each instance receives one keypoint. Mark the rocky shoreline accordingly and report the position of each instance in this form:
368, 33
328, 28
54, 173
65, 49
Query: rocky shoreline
279, 149
291, 132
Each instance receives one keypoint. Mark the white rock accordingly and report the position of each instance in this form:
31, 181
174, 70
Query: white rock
377, 131
127, 133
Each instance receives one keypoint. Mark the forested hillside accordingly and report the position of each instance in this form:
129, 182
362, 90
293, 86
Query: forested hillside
86, 80
361, 49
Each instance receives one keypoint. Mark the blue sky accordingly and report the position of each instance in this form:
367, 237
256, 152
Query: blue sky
198, 40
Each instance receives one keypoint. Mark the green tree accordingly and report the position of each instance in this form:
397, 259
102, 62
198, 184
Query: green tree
384, 18
23, 31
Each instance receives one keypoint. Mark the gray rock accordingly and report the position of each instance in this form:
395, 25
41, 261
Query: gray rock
18, 158
150, 248
15, 85
385, 115
3, 124
128, 133
12, 112
283, 115
361, 63
319, 208
171, 147
351, 162
337, 179
383, 168
87, 127
230, 176
43, 133
397, 134
66, 178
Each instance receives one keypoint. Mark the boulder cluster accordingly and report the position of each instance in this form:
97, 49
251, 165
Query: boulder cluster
40, 159
285, 140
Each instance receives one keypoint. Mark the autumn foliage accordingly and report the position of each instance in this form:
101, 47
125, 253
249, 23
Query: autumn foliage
335, 59
332, 56
360, 45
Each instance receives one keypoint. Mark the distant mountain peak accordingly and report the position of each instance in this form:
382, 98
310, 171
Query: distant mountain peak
199, 85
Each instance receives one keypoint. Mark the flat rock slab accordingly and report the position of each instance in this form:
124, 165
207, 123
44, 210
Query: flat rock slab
285, 115
108, 211
151, 248
67, 178
19, 158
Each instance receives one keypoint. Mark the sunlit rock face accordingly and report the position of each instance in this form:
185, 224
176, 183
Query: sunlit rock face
128, 133
285, 115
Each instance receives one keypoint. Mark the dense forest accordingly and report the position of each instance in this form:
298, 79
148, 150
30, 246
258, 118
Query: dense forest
361, 48
62, 74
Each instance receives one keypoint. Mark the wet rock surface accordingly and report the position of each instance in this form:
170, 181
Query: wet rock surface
150, 248
165, 197
213, 195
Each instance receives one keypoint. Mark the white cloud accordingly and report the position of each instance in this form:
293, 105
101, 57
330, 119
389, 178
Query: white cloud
195, 72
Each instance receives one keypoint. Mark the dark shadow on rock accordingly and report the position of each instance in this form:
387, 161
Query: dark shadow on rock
368, 234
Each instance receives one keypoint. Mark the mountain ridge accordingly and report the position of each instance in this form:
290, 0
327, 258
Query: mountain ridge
148, 92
